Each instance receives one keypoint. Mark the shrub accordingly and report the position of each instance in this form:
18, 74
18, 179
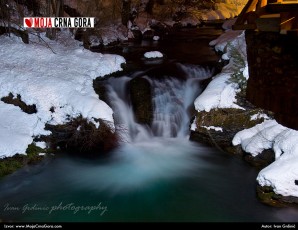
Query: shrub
238, 64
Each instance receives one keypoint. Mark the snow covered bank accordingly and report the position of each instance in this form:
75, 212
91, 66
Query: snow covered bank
221, 93
60, 84
282, 174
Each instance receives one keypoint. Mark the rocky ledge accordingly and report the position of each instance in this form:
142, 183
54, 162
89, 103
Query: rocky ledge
218, 128
230, 121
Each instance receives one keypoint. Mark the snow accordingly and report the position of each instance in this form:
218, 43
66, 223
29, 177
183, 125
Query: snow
156, 38
258, 116
193, 125
221, 42
283, 172
153, 54
16, 129
218, 129
112, 33
62, 81
41, 144
221, 93
218, 94
259, 137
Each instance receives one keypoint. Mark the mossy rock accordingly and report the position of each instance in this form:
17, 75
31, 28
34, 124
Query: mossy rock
81, 137
101, 91
9, 165
33, 153
231, 121
228, 119
267, 196
141, 98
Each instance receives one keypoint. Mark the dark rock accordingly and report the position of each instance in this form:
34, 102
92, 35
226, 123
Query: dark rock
167, 69
141, 98
262, 160
82, 137
177, 25
138, 36
79, 34
30, 109
160, 29
148, 34
232, 121
268, 196
23, 34
101, 91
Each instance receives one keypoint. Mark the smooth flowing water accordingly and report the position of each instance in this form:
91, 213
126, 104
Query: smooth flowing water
156, 174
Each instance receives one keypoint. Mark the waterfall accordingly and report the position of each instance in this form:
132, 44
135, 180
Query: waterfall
172, 99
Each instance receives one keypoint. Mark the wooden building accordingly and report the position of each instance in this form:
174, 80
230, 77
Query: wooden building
272, 53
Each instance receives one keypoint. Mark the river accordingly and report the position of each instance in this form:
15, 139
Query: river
155, 175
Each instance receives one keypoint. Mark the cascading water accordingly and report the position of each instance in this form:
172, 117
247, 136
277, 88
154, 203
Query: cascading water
172, 98
156, 174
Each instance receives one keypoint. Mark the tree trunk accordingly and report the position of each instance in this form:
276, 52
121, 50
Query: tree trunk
125, 13
54, 8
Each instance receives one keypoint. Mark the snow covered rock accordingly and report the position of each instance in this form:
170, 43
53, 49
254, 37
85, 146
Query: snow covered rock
153, 54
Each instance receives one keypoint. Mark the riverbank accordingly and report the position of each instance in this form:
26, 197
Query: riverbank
45, 84
226, 120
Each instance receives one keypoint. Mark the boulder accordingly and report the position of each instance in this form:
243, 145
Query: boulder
141, 98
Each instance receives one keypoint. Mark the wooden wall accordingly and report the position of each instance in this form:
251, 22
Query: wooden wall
273, 71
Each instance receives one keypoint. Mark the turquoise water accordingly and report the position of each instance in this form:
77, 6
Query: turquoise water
169, 180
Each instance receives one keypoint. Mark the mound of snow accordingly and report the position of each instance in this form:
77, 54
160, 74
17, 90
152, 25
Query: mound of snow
60, 84
153, 54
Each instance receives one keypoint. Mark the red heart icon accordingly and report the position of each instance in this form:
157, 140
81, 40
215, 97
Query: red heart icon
29, 22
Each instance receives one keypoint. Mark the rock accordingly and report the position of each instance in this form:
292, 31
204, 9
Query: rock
268, 196
82, 137
148, 35
159, 28
231, 121
262, 160
141, 98
101, 91
23, 34
137, 34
